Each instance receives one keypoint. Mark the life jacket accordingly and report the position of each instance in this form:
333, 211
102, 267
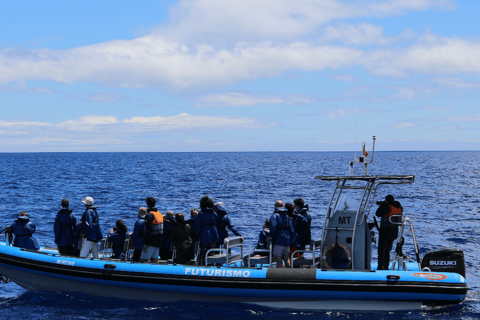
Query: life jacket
157, 224
394, 211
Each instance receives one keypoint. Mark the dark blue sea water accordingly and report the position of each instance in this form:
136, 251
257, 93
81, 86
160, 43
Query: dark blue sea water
443, 202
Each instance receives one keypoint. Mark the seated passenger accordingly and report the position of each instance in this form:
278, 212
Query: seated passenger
166, 249
64, 229
262, 238
138, 235
23, 230
223, 222
181, 240
117, 236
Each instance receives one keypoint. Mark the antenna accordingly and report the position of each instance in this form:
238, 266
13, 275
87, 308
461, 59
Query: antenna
362, 159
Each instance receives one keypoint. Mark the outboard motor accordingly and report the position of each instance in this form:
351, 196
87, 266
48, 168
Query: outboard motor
445, 260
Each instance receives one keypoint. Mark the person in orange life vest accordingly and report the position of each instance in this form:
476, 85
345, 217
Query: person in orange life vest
153, 230
388, 231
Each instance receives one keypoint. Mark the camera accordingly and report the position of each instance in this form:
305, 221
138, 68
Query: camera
379, 203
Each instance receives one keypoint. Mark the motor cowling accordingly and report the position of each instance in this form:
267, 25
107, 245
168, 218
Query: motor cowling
445, 260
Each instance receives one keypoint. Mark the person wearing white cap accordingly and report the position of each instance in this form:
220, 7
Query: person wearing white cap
90, 229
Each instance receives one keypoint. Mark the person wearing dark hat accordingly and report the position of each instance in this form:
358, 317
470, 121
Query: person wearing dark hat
90, 229
23, 230
223, 222
117, 237
388, 210
64, 229
303, 222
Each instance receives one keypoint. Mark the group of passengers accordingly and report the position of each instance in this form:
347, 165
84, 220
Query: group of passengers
155, 235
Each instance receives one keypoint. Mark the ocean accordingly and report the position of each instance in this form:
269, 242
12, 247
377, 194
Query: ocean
443, 203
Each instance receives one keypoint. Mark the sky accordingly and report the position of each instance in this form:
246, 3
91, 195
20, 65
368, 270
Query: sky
250, 75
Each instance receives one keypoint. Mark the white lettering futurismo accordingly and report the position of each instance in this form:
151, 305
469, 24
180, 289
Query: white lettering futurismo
65, 262
443, 263
217, 272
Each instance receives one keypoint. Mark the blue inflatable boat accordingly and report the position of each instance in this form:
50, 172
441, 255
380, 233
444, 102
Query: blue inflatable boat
335, 272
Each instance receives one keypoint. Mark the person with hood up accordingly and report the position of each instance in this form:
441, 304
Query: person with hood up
181, 239
262, 238
282, 231
303, 223
90, 229
166, 249
23, 230
223, 222
206, 228
64, 229
117, 236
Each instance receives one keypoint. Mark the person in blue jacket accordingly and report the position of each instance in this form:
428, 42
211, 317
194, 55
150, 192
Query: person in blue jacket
138, 234
117, 236
166, 248
262, 238
23, 230
223, 222
303, 223
206, 227
282, 231
64, 229
90, 229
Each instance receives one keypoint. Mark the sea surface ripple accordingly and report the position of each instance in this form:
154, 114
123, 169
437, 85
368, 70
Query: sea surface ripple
444, 203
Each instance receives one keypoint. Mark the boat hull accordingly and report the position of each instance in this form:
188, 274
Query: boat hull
304, 288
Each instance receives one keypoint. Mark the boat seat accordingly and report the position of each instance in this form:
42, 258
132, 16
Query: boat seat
106, 248
126, 248
313, 261
225, 255
254, 259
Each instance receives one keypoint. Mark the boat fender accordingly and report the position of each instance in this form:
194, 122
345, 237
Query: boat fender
336, 255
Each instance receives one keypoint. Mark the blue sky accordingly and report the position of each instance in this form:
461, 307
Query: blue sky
202, 75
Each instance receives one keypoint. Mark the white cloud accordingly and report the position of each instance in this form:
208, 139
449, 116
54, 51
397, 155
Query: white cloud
4, 123
343, 77
469, 118
359, 34
436, 109
457, 83
107, 97
340, 113
403, 125
86, 123
278, 20
235, 99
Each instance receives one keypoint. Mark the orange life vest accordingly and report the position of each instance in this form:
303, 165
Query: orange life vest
158, 217
394, 211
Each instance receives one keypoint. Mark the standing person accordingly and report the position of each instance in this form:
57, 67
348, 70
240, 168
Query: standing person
181, 239
90, 229
206, 228
64, 229
138, 234
166, 248
303, 223
282, 231
117, 236
294, 243
388, 231
191, 223
23, 230
153, 230
223, 222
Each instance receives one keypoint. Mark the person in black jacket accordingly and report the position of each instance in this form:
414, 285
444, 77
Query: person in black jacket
153, 231
181, 239
388, 210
